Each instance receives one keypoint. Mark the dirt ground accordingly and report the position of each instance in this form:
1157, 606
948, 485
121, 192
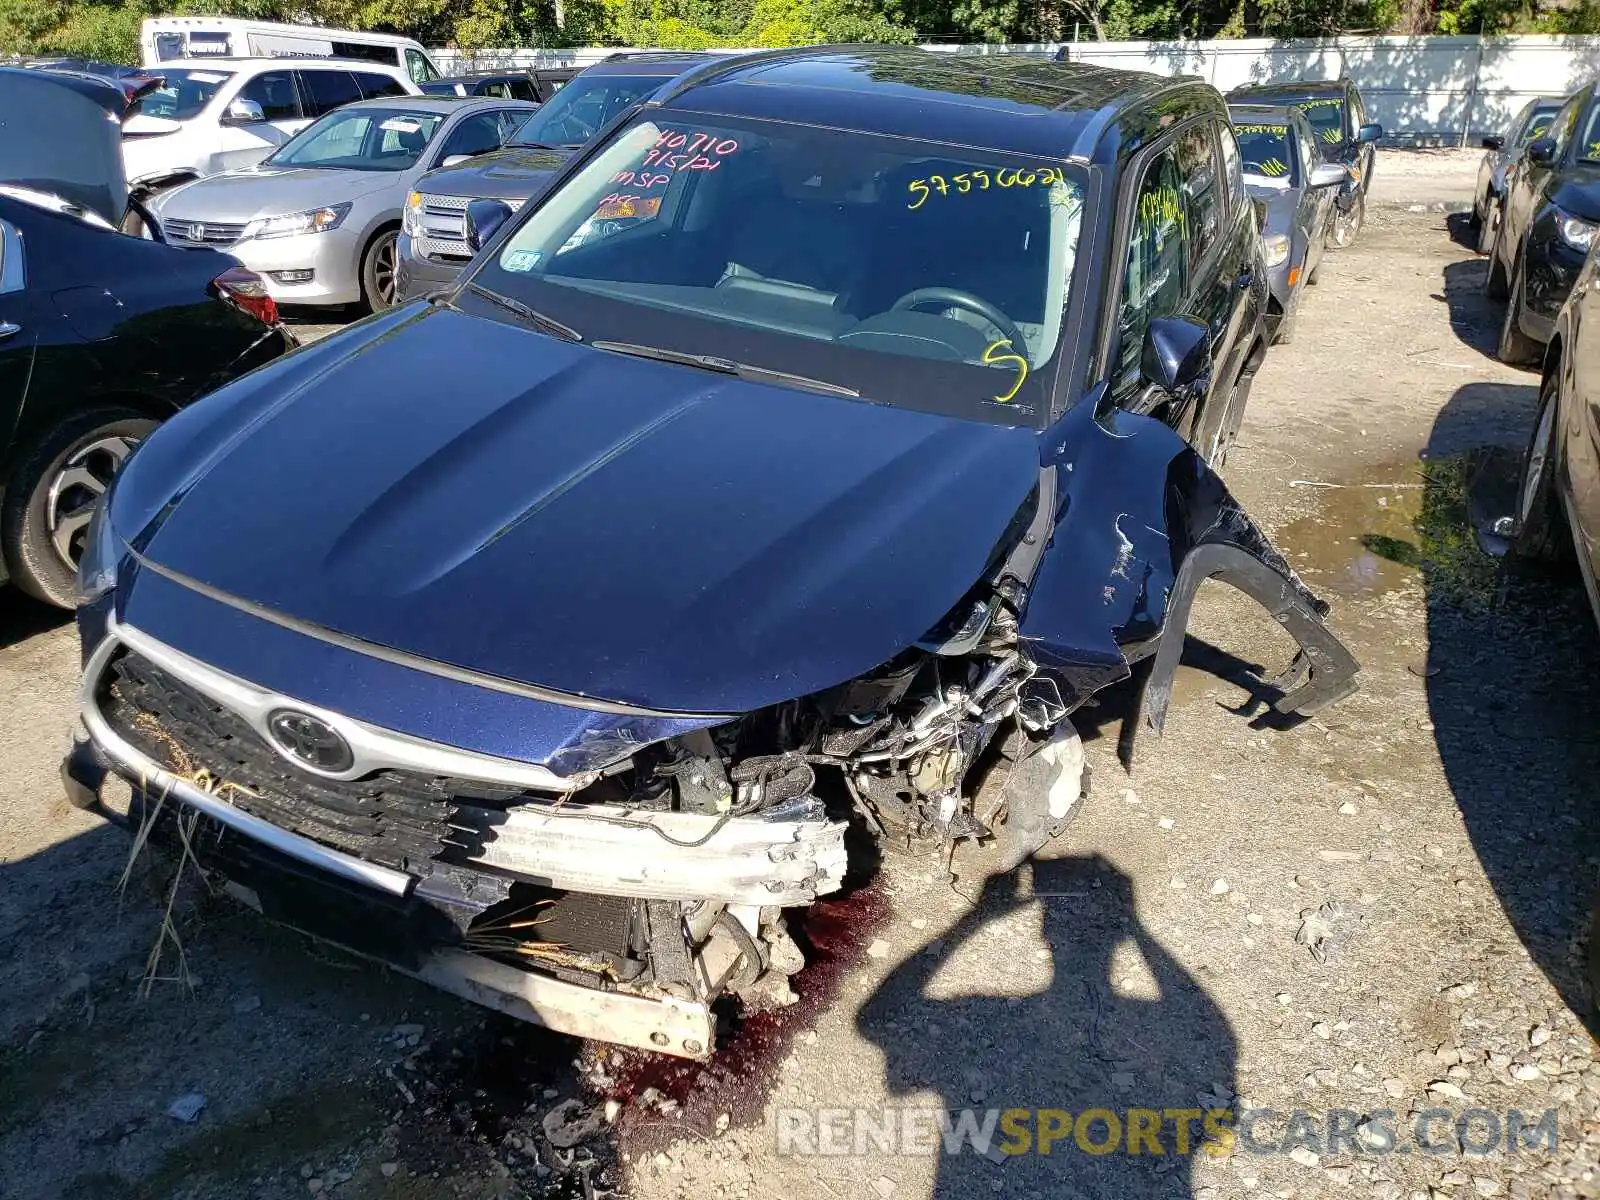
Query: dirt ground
1381, 909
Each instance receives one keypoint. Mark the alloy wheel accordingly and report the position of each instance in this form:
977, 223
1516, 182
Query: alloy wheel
78, 485
384, 268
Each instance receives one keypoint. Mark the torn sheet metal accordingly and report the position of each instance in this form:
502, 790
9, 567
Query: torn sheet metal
1143, 521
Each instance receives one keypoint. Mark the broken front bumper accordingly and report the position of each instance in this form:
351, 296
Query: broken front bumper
537, 838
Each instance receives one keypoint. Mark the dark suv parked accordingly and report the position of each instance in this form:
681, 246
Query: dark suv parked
536, 84
1547, 221
1338, 117
800, 460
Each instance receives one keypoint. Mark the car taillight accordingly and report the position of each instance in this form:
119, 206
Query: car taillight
245, 291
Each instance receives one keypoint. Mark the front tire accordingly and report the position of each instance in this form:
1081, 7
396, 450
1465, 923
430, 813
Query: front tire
1541, 535
380, 270
1346, 225
1516, 348
52, 494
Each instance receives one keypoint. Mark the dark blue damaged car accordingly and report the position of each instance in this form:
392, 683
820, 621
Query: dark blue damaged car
796, 466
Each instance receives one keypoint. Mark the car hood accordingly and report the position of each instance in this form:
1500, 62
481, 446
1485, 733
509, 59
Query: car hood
563, 517
1577, 191
512, 173
61, 134
1274, 206
268, 191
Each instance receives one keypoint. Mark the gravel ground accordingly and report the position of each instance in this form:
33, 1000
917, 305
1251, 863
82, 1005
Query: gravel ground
1381, 909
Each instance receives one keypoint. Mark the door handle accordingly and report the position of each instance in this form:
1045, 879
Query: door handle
7, 329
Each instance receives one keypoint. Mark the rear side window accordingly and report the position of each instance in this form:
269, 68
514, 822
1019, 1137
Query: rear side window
477, 134
324, 90
388, 55
275, 93
1200, 188
498, 88
522, 89
373, 85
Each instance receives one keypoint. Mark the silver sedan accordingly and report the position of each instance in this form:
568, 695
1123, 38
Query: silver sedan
319, 220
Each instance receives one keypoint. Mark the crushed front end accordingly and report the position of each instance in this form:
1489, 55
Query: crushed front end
614, 871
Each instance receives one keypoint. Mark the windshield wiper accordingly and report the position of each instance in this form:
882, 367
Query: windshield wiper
536, 146
727, 366
531, 315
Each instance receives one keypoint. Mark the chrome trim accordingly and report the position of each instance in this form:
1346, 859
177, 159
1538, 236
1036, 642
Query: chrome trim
372, 748
153, 777
428, 666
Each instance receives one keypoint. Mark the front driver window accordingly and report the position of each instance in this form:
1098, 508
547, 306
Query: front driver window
420, 69
1155, 274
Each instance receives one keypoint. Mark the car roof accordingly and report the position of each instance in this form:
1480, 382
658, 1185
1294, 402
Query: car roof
650, 62
440, 104
1027, 104
219, 63
1291, 89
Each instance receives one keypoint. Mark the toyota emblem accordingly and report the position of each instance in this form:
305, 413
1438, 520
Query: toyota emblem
310, 741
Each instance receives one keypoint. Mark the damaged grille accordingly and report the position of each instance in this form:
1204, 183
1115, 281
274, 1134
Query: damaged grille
400, 819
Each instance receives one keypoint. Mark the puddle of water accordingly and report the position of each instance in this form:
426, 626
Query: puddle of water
1362, 541
1403, 522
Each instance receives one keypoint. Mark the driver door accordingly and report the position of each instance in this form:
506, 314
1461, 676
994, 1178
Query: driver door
244, 143
18, 334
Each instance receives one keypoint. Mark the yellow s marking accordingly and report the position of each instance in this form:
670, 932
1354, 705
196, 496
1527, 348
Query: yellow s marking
915, 186
990, 358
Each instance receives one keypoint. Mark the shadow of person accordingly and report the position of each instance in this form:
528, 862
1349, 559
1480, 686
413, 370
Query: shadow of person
1119, 1027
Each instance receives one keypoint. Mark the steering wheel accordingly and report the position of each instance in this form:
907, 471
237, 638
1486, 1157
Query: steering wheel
956, 298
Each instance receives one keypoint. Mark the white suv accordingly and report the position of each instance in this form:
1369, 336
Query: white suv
213, 115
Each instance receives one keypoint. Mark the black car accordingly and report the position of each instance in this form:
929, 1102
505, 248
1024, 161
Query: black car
1338, 117
433, 237
798, 462
1500, 151
1558, 516
537, 85
101, 334
1547, 221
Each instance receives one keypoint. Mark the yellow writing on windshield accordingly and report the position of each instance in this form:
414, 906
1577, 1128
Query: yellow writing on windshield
1333, 136
990, 358
1333, 102
980, 181
1271, 130
1274, 168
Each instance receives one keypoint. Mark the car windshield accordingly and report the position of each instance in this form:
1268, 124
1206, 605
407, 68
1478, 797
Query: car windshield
1326, 114
916, 274
362, 139
1589, 143
183, 92
1267, 151
583, 107
1538, 124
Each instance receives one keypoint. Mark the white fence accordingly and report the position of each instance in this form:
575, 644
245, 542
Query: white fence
1424, 90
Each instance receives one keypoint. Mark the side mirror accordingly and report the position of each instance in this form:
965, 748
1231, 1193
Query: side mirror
1177, 353
1329, 175
1542, 151
454, 160
243, 112
1494, 142
1370, 132
484, 219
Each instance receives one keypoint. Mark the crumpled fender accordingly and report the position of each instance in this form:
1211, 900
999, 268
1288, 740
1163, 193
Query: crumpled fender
1141, 521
